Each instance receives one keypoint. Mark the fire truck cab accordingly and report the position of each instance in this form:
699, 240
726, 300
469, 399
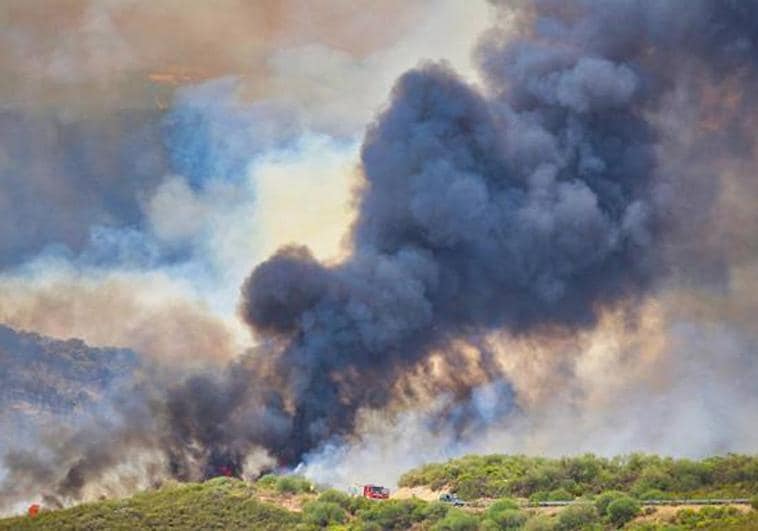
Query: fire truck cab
375, 492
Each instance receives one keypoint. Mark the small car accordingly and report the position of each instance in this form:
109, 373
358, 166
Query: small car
452, 499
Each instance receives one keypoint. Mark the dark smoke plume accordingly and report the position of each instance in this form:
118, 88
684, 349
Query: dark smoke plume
60, 177
529, 204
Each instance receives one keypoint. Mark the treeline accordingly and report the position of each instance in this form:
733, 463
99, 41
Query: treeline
291, 502
540, 478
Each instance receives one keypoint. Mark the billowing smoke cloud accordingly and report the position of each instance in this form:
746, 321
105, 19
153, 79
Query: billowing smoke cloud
103, 48
559, 192
530, 205
72, 166
615, 389
62, 176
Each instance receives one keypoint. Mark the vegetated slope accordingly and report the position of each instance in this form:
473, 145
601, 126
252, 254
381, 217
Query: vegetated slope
217, 504
42, 377
288, 502
540, 478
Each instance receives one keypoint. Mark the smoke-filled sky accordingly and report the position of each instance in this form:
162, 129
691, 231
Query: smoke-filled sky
350, 237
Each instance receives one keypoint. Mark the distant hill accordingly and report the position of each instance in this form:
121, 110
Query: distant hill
42, 377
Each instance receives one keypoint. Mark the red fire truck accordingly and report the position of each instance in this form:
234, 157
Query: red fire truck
376, 492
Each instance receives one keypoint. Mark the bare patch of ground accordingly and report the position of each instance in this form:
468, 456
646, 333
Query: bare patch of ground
421, 492
291, 502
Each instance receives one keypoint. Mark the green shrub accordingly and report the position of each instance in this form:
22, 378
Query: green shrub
457, 520
603, 500
497, 488
576, 516
653, 477
687, 517
267, 482
754, 502
392, 514
710, 517
357, 503
654, 494
323, 513
500, 505
622, 510
560, 495
335, 496
540, 522
438, 484
471, 488
293, 484
509, 519
432, 512
540, 475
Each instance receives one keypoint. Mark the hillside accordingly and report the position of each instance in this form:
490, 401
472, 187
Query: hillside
44, 378
220, 504
290, 502
541, 478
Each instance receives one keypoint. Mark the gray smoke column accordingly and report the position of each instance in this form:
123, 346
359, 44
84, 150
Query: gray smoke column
531, 203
